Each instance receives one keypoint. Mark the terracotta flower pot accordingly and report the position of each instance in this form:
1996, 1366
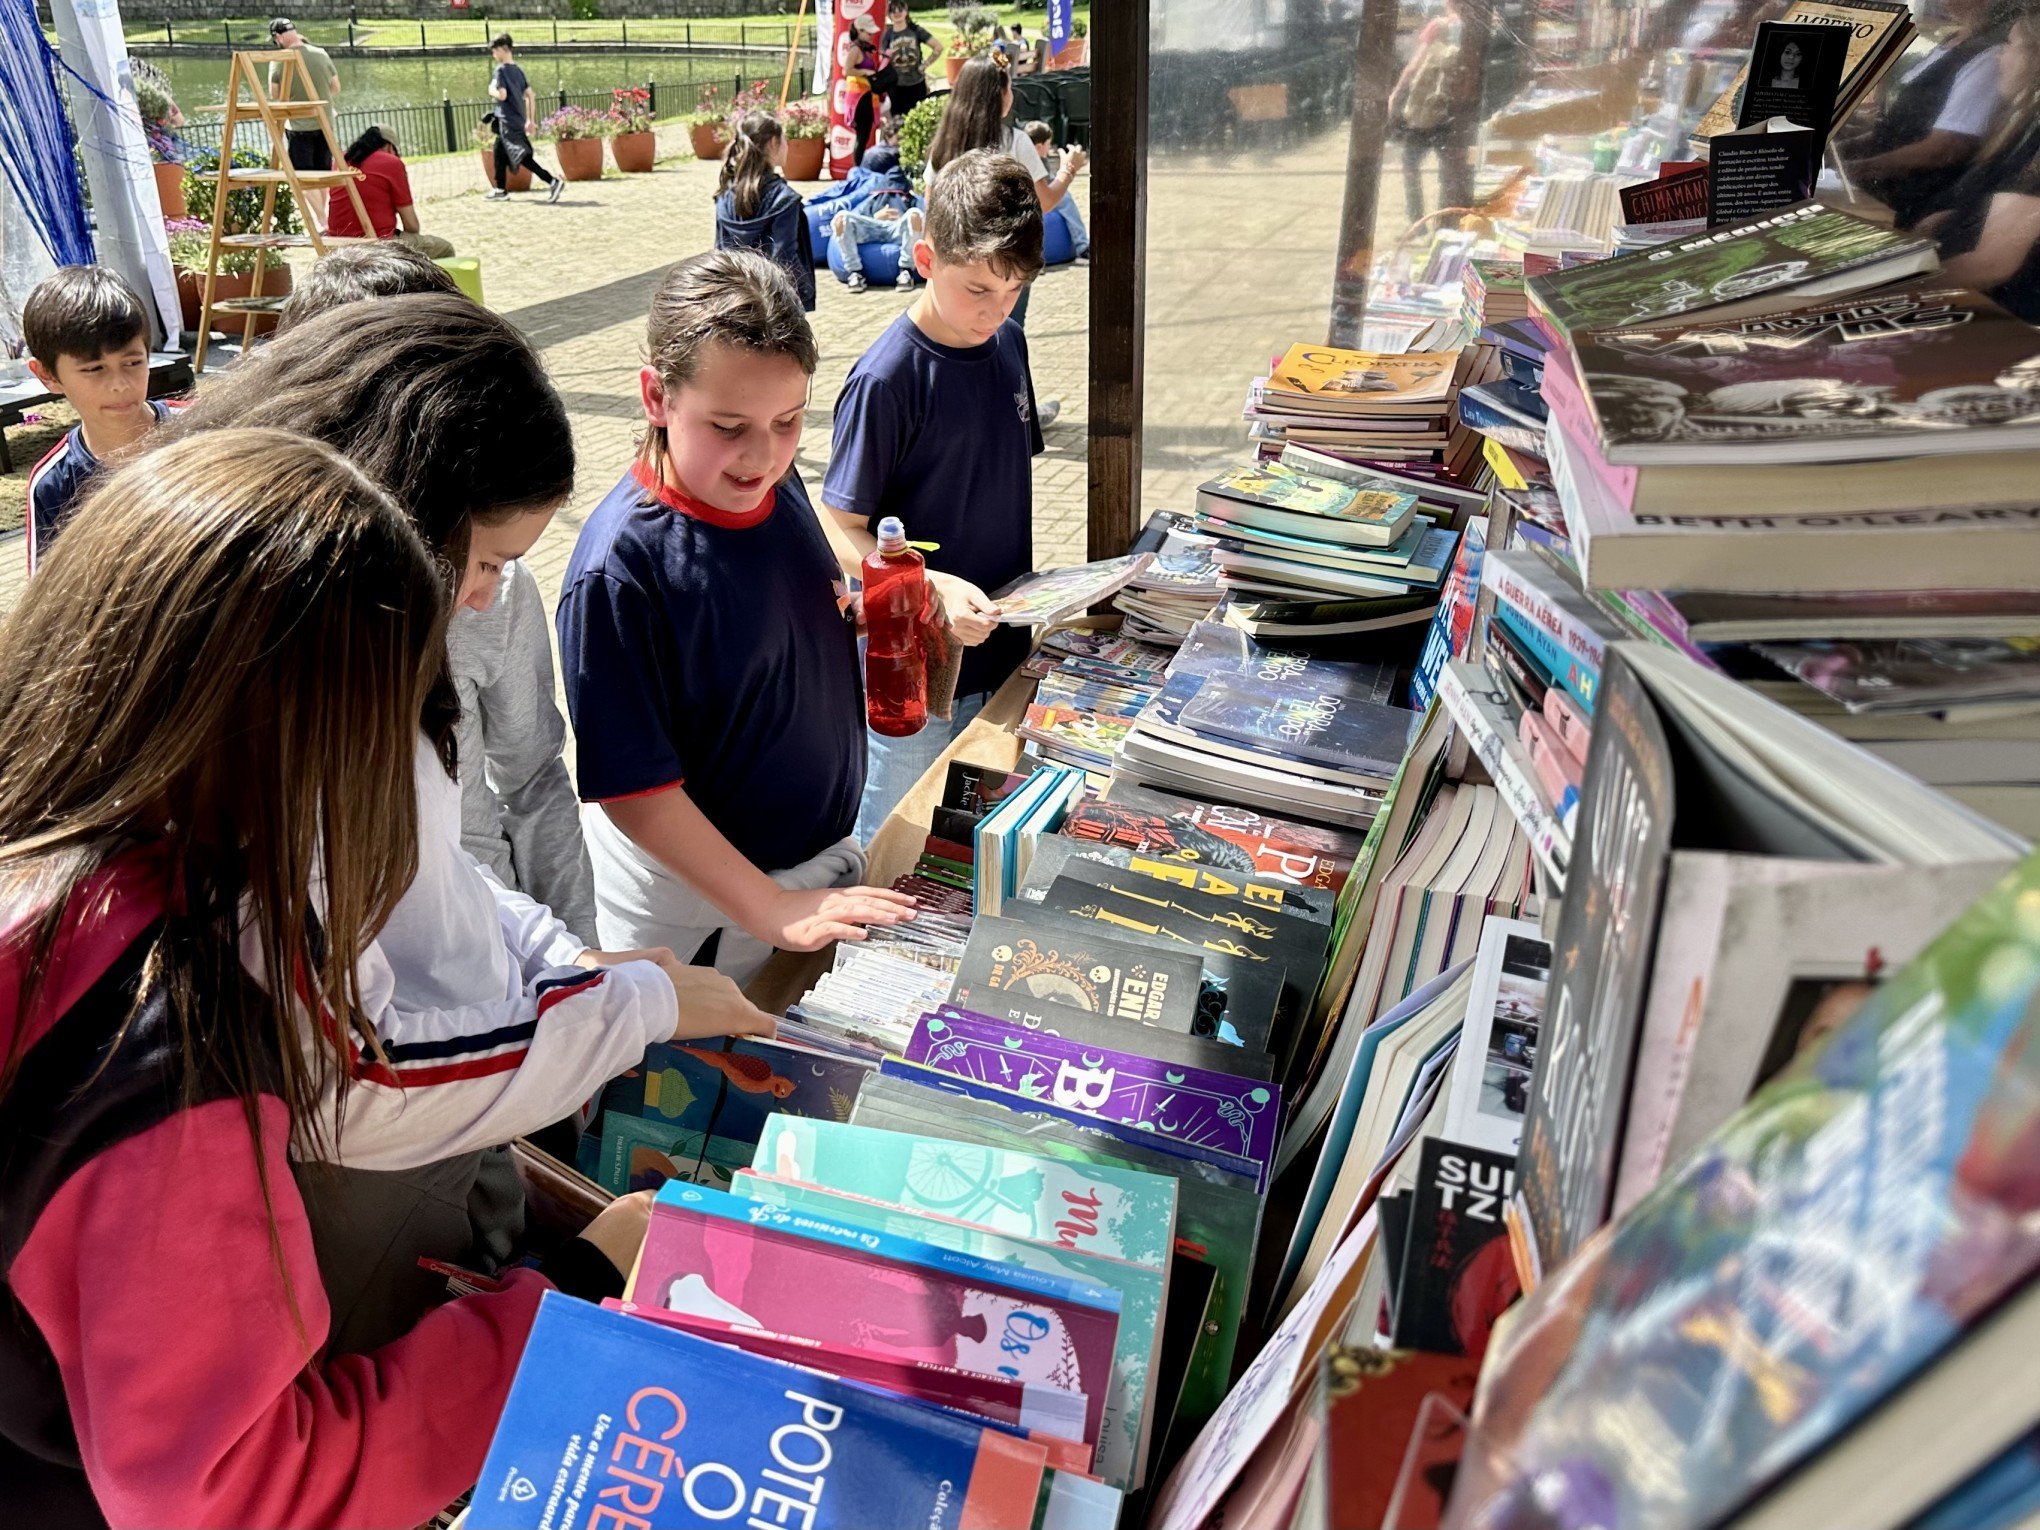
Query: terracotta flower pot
170, 188
804, 158
276, 282
710, 140
1069, 56
954, 65
635, 152
580, 158
516, 180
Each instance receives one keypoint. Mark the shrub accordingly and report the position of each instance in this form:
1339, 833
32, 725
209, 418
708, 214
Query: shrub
969, 16
573, 122
244, 203
917, 133
805, 119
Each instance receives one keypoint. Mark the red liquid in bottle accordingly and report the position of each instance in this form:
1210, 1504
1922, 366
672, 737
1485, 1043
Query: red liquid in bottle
895, 671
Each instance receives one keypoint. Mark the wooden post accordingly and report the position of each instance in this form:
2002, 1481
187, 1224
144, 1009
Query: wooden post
1119, 142
1374, 71
792, 55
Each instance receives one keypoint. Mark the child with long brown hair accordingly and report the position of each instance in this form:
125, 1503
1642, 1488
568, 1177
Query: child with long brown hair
755, 209
209, 703
711, 666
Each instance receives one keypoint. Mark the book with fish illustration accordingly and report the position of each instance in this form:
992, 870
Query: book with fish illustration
694, 1112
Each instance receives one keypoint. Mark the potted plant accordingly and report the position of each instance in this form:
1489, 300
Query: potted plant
1072, 53
632, 142
160, 114
976, 29
485, 140
577, 133
191, 246
807, 131
708, 124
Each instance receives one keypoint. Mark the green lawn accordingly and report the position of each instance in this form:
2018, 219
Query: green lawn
248, 30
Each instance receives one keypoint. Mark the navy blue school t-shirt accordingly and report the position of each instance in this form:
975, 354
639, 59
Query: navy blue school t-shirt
711, 650
945, 439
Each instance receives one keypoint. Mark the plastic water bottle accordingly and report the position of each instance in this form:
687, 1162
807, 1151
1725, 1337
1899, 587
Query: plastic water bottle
895, 672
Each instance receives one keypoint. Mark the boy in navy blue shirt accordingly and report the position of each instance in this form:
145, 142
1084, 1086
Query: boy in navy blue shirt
711, 664
88, 339
937, 426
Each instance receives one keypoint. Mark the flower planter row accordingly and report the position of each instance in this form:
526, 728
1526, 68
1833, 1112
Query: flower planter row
803, 155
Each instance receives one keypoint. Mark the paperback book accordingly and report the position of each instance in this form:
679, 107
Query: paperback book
1088, 972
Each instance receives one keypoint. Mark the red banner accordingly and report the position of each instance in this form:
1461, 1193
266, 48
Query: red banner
843, 97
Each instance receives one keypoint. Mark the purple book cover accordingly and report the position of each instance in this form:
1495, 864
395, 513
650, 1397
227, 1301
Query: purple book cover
755, 1265
1186, 1104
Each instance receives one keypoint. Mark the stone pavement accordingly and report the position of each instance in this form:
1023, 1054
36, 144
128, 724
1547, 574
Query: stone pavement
1240, 254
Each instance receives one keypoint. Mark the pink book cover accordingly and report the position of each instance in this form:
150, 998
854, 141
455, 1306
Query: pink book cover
756, 1266
1568, 724
1567, 403
1041, 1410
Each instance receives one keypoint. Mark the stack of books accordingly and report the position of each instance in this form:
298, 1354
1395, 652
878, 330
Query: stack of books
1178, 588
1386, 409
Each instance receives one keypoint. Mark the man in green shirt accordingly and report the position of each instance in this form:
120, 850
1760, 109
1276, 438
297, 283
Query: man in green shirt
306, 136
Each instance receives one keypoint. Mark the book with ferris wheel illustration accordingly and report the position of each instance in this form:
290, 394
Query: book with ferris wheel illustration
1094, 1207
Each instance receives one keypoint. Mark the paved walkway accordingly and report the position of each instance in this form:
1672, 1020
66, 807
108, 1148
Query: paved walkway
1240, 253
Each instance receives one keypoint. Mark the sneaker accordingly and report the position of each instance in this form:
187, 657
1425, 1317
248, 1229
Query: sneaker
1050, 412
552, 192
857, 283
906, 279
498, 195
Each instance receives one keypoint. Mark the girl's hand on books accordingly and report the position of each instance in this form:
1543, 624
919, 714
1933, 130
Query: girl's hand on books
968, 609
619, 1228
711, 1004
807, 920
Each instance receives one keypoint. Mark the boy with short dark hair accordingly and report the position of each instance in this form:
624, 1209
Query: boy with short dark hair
937, 426
353, 273
515, 107
88, 339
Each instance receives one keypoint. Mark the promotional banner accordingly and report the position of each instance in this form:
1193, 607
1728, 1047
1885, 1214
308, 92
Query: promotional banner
1058, 24
127, 214
843, 97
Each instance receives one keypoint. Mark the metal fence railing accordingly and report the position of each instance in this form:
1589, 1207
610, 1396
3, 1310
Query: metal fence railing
449, 36
448, 126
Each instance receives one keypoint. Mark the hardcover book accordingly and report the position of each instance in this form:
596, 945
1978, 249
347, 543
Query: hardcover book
1457, 1274
1831, 1303
1187, 1104
715, 1433
1097, 1208
1142, 1292
740, 1261
1106, 977
1757, 267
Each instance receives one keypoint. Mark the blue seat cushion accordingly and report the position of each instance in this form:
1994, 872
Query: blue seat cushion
1058, 244
881, 263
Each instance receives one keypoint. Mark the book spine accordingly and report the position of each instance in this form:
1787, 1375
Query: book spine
1511, 772
1566, 671
1578, 649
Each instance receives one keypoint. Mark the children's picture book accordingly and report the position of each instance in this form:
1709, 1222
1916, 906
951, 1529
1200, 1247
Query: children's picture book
694, 1111
597, 1390
1188, 1104
1057, 594
1457, 1273
1142, 1292
1104, 976
1094, 1207
1830, 1300
741, 1261
1498, 1049
1035, 1407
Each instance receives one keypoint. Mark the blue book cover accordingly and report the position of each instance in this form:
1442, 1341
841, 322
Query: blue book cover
1831, 1246
1571, 676
613, 1421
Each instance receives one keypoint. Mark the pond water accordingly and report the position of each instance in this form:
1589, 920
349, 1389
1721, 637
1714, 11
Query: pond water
377, 83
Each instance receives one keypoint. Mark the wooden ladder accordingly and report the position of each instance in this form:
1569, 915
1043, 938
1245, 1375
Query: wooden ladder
296, 99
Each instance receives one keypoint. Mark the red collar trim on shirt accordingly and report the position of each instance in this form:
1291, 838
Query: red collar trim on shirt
735, 520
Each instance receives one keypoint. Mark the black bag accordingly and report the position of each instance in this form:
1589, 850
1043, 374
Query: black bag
885, 79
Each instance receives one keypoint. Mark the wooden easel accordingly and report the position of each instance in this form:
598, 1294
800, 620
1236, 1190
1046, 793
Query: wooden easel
297, 99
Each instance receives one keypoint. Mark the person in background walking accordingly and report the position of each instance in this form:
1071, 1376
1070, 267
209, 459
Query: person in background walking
1435, 108
905, 42
305, 137
514, 110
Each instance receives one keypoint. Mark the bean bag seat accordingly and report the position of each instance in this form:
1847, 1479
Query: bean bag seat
1058, 244
881, 263
819, 216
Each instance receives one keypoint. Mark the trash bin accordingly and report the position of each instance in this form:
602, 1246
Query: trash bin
466, 271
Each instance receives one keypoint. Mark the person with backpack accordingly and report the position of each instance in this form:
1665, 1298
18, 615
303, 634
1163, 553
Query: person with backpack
1434, 108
